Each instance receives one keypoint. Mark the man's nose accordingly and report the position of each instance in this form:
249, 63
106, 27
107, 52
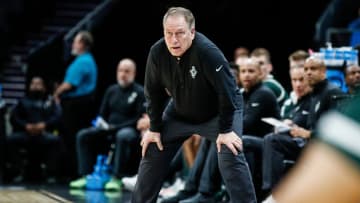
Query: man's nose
173, 38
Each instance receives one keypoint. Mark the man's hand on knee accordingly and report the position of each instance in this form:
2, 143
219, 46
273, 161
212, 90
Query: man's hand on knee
231, 140
148, 138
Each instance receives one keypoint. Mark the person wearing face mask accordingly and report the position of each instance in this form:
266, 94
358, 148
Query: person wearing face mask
34, 119
122, 106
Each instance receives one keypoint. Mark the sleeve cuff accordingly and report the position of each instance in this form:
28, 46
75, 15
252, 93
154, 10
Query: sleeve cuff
155, 127
227, 130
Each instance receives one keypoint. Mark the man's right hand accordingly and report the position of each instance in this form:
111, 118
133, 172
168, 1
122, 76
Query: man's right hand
143, 123
148, 138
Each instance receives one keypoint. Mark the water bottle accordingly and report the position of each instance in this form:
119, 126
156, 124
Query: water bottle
355, 56
99, 122
100, 176
338, 57
329, 56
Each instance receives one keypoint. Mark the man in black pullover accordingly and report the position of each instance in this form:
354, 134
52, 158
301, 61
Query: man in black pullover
122, 106
324, 96
322, 99
260, 102
282, 145
205, 101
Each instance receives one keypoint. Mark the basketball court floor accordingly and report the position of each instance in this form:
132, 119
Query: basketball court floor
58, 193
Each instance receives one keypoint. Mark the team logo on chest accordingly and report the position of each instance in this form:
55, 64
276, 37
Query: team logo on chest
132, 97
193, 72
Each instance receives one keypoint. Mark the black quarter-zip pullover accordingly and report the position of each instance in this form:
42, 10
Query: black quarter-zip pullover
200, 83
123, 106
259, 102
322, 100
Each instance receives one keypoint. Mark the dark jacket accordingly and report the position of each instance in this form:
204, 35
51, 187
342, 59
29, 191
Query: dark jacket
298, 112
32, 110
200, 83
259, 102
323, 98
122, 107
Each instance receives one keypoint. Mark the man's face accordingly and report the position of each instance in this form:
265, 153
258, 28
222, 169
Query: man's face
77, 46
250, 75
125, 74
178, 35
299, 85
314, 72
37, 84
352, 76
265, 65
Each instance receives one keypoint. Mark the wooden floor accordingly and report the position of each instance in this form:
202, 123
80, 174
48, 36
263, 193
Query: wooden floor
42, 193
29, 196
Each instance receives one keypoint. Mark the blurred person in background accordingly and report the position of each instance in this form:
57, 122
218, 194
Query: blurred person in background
76, 94
122, 106
329, 169
352, 78
263, 57
35, 121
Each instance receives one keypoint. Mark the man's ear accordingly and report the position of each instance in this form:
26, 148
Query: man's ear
270, 68
192, 31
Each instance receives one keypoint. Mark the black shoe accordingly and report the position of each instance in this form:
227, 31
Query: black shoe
199, 198
178, 197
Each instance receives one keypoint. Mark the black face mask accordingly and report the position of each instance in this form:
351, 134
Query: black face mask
36, 94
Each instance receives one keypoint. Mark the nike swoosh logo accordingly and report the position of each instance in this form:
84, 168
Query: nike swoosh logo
305, 112
219, 68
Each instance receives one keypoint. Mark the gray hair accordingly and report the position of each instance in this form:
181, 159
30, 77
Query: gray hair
181, 11
86, 38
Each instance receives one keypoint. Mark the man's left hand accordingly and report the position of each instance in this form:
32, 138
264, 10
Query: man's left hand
231, 140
